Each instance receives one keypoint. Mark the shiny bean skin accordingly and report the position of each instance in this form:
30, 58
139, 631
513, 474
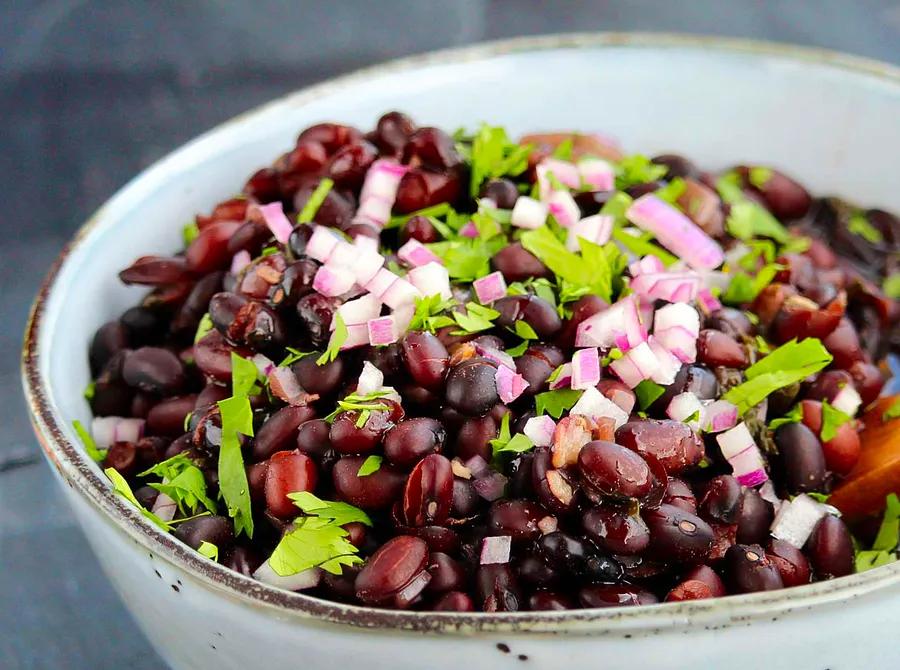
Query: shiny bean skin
216, 530
279, 431
803, 461
673, 443
830, 549
472, 387
754, 518
497, 589
722, 501
677, 535
748, 569
426, 359
615, 595
428, 496
413, 439
447, 574
288, 472
396, 563
154, 370
792, 565
167, 416
376, 491
616, 531
516, 518
614, 470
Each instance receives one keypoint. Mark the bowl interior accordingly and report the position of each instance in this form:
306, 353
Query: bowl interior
826, 123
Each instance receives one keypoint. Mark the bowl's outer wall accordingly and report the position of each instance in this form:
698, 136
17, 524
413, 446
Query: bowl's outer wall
835, 129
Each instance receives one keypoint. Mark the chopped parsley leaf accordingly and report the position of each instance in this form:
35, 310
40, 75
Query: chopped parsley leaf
90, 390
832, 419
183, 482
519, 349
190, 232
647, 393
428, 315
555, 402
441, 209
209, 550
795, 415
120, 486
744, 288
314, 542
203, 328
591, 269
340, 513
859, 225
563, 150
475, 319
293, 356
370, 465
494, 155
637, 169
642, 245
525, 331
338, 337
671, 191
884, 548
87, 440
892, 412
748, 220
759, 176
308, 213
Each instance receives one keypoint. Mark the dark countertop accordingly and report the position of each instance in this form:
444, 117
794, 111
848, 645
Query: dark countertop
91, 93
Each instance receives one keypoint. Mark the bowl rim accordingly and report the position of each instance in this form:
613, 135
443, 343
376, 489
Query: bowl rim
73, 465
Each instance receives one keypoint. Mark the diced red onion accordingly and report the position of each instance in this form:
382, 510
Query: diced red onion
708, 302
636, 365
685, 405
489, 288
539, 429
847, 400
107, 430
594, 404
597, 173
668, 363
380, 283
563, 379
495, 550
306, 579
431, 279
344, 255
365, 243
469, 229
402, 316
412, 590
322, 243
743, 455
677, 315
367, 265
649, 264
719, 415
564, 172
263, 363
490, 487
478, 467
239, 261
379, 191
382, 330
596, 229
273, 215
510, 384
679, 341
528, 213
585, 368
371, 379
619, 325
400, 293
164, 507
360, 310
675, 232
416, 254
796, 519
283, 384
496, 355
669, 286
564, 209
357, 336
333, 280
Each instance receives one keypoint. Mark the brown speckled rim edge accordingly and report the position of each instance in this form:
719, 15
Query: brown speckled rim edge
69, 459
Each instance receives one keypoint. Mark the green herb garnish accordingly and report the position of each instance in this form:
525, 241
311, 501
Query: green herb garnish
190, 232
183, 482
494, 155
203, 328
293, 355
87, 440
209, 550
859, 225
308, 213
748, 220
429, 313
795, 415
884, 549
637, 169
759, 176
892, 412
744, 288
555, 402
120, 486
370, 465
591, 269
832, 419
338, 337
647, 392
475, 319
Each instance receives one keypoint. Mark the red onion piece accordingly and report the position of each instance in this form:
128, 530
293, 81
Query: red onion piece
490, 487
239, 261
539, 429
649, 264
408, 594
564, 172
594, 404
796, 519
668, 363
365, 243
431, 279
416, 254
367, 265
678, 314
380, 283
669, 286
675, 232
322, 243
379, 191
742, 454
495, 550
619, 325
564, 209
357, 336
685, 405
469, 230
528, 213
708, 302
371, 379
284, 384
563, 379
382, 330
510, 384
164, 507
719, 415
107, 430
496, 355
585, 368
596, 229
333, 280
263, 363
636, 365
360, 310
273, 215
400, 293
681, 343
597, 173
305, 579
489, 288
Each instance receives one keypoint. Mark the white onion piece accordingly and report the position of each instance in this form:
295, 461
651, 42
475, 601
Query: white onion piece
495, 550
847, 400
371, 379
677, 287
107, 430
585, 368
496, 355
164, 507
365, 243
619, 326
526, 213
273, 215
431, 279
322, 243
636, 365
344, 255
382, 331
719, 415
400, 293
596, 229
412, 590
679, 341
357, 336
305, 579
539, 429
263, 363
564, 172
360, 310
510, 384
707, 301
367, 265
678, 314
402, 317
685, 405
649, 264
416, 254
669, 365
767, 492
675, 232
489, 288
743, 455
796, 519
380, 283
379, 191
491, 486
563, 208
333, 281
239, 261
594, 404
563, 379
597, 173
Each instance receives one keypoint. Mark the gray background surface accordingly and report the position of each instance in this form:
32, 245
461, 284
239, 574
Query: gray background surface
92, 92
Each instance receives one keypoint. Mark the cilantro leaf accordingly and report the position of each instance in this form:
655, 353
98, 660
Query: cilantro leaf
517, 444
338, 337
671, 191
308, 213
743, 288
441, 209
591, 269
494, 155
120, 486
475, 319
891, 286
209, 550
428, 313
759, 176
859, 225
642, 245
789, 363
340, 513
832, 419
189, 232
637, 169
90, 390
314, 542
647, 392
563, 150
617, 205
183, 482
892, 412
293, 356
203, 328
748, 220
729, 186
87, 440
525, 331
519, 349
370, 465
795, 415
555, 402
884, 548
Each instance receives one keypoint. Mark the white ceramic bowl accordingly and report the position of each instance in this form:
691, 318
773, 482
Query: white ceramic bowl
830, 120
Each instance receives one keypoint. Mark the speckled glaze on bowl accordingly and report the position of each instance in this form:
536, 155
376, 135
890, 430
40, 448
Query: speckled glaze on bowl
828, 119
